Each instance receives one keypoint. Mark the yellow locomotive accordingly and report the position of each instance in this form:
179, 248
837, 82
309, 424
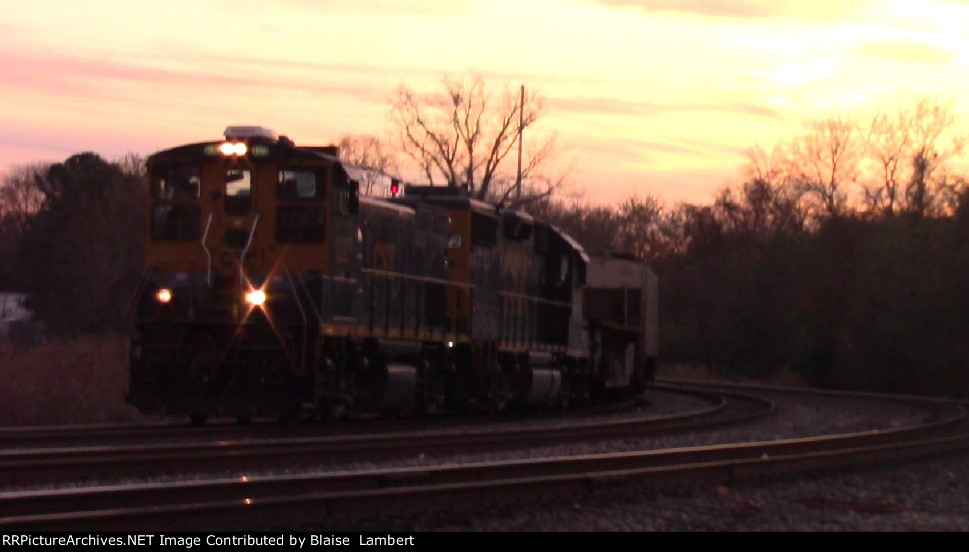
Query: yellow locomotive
271, 288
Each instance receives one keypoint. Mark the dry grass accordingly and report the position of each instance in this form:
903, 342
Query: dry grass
76, 382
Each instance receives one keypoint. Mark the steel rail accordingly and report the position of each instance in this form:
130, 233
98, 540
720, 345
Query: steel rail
211, 503
23, 467
20, 437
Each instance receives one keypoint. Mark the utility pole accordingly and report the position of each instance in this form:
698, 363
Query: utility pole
521, 111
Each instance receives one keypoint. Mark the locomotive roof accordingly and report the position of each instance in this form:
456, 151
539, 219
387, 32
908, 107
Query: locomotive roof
277, 149
455, 202
376, 203
571, 241
190, 152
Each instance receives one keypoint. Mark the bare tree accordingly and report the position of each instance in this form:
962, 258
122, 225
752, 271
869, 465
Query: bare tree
639, 226
773, 185
20, 195
888, 144
463, 136
910, 150
776, 167
933, 144
133, 164
827, 159
368, 153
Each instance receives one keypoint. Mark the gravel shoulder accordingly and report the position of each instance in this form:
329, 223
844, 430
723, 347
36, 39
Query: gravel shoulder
926, 495
929, 495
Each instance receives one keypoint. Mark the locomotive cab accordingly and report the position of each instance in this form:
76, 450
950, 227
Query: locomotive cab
242, 235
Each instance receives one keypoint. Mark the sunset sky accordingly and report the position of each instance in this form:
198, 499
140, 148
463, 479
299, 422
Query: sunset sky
658, 97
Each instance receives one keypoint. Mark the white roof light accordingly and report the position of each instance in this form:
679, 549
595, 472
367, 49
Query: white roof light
232, 132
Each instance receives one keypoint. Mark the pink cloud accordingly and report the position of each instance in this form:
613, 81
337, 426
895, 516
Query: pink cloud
99, 78
748, 9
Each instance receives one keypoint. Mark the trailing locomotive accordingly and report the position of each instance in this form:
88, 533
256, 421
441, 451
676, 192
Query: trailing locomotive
271, 288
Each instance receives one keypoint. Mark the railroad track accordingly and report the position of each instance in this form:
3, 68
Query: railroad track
241, 502
173, 431
114, 463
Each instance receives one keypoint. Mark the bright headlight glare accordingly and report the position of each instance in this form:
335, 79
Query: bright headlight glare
233, 148
256, 297
164, 295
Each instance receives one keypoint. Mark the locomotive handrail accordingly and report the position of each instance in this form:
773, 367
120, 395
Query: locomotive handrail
392, 274
208, 254
533, 298
302, 312
245, 250
309, 296
335, 278
130, 306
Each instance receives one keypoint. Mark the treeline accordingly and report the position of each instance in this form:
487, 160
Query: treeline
842, 256
72, 238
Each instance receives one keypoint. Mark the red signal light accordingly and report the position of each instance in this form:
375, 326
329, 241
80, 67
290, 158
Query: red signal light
394, 187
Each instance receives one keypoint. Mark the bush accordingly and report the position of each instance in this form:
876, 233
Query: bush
76, 382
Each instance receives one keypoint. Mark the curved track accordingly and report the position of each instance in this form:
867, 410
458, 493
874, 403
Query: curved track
32, 466
225, 429
229, 502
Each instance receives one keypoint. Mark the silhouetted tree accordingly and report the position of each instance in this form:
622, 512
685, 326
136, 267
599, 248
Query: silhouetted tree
826, 161
911, 151
463, 136
368, 153
83, 250
20, 199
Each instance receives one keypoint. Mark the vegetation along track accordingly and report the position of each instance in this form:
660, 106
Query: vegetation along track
242, 501
31, 466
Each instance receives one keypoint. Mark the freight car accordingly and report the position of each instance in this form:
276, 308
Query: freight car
272, 288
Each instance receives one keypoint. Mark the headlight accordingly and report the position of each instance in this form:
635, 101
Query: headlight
233, 148
164, 295
256, 297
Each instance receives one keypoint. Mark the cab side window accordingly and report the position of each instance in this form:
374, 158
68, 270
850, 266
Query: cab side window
301, 211
298, 184
175, 213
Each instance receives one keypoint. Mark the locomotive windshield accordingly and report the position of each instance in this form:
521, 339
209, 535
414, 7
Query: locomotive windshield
238, 190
